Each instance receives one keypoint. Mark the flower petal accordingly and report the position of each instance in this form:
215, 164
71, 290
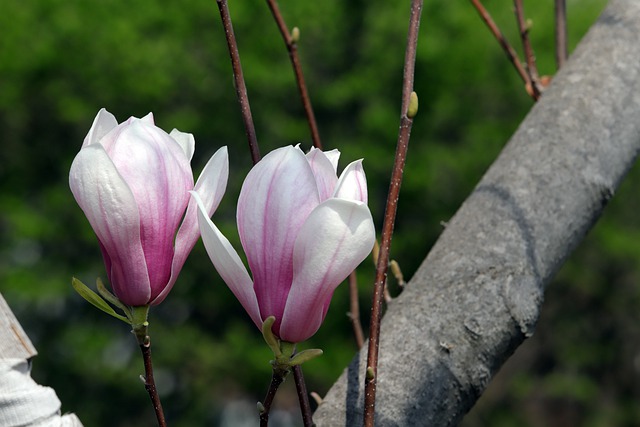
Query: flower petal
186, 141
102, 125
148, 119
333, 156
352, 184
159, 174
324, 172
227, 262
276, 198
337, 236
211, 186
111, 209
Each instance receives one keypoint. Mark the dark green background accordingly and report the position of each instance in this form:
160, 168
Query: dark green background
61, 61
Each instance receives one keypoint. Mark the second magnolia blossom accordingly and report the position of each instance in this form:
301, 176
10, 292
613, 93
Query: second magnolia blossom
132, 180
303, 230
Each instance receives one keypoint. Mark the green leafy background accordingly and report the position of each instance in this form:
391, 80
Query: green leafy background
61, 61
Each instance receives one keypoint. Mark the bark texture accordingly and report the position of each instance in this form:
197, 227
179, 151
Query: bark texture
478, 294
24, 403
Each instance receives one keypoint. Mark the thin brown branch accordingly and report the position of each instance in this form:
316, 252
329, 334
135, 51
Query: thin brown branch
292, 48
241, 88
354, 310
406, 120
508, 50
303, 396
149, 382
561, 33
532, 69
277, 379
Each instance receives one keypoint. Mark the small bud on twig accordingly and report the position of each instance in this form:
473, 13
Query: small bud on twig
370, 374
413, 105
295, 35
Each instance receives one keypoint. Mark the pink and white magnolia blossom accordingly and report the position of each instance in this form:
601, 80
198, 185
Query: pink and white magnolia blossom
132, 180
303, 230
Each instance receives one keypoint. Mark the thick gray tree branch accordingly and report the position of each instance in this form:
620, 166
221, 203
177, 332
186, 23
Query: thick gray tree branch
477, 295
24, 403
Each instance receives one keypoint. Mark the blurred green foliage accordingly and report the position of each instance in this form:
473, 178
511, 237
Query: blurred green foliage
61, 61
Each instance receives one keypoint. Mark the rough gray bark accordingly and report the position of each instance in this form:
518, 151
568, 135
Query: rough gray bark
478, 294
24, 403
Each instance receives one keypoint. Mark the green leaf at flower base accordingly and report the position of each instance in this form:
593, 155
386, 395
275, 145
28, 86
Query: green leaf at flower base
271, 339
113, 300
305, 356
94, 299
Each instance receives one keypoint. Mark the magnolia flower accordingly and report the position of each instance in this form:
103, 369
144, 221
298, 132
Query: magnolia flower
132, 180
303, 230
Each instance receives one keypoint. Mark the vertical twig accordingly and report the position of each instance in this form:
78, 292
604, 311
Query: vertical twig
292, 48
508, 50
561, 33
532, 69
149, 382
409, 99
303, 396
241, 88
277, 378
354, 310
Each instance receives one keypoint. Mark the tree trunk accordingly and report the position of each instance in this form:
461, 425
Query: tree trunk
478, 294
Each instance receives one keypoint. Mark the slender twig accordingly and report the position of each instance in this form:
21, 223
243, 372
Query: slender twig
303, 396
277, 378
149, 382
406, 121
532, 69
561, 33
241, 88
292, 48
508, 50
354, 310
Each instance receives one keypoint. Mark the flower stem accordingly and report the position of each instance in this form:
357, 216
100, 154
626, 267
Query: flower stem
532, 69
508, 50
241, 87
277, 378
354, 310
408, 111
292, 48
561, 32
149, 382
303, 396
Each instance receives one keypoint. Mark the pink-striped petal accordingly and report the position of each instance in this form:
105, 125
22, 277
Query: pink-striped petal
337, 236
276, 198
227, 262
352, 184
324, 172
210, 187
159, 175
111, 209
104, 123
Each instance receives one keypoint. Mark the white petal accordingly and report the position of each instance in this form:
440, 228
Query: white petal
333, 156
148, 119
111, 209
324, 172
102, 125
210, 187
186, 141
228, 264
335, 239
352, 184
